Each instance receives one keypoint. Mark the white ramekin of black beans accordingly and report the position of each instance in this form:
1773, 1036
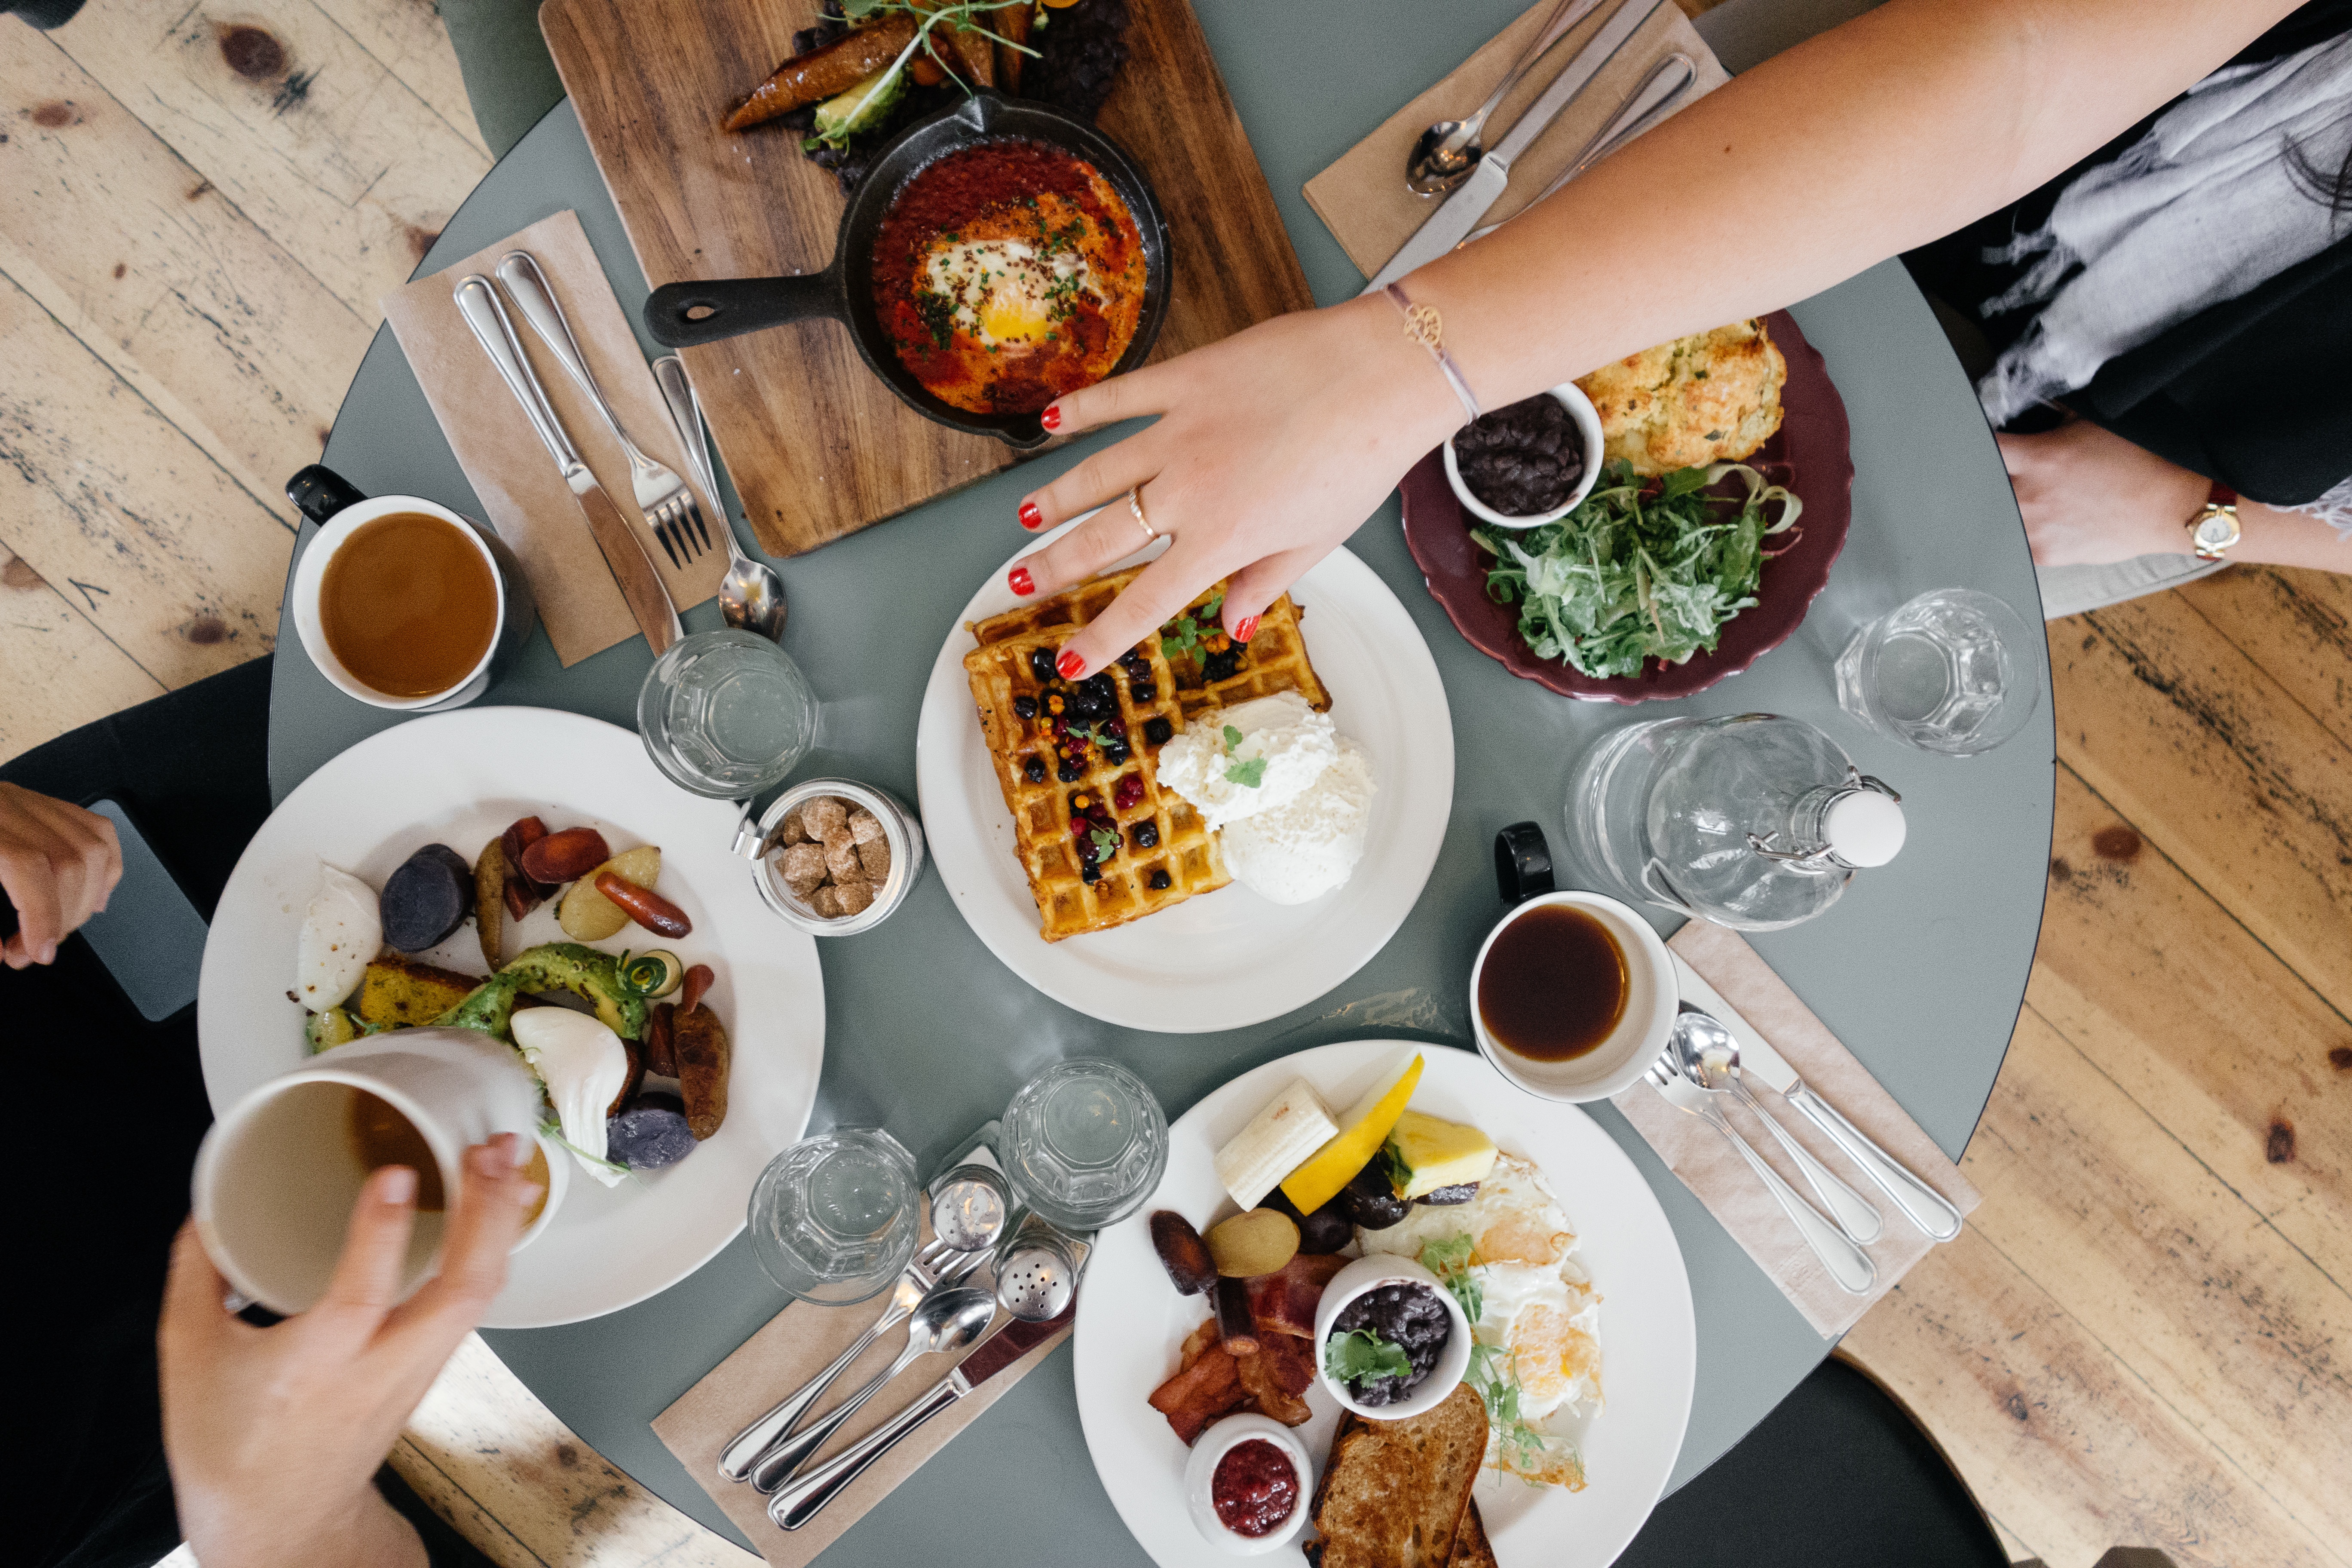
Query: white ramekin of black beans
1403, 1307
1528, 463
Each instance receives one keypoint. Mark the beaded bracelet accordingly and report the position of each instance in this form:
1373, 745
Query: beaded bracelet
1424, 326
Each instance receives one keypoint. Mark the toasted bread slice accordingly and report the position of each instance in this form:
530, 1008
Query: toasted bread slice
1471, 1548
1396, 1493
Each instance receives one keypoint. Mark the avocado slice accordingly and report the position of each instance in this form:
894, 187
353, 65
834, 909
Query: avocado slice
552, 966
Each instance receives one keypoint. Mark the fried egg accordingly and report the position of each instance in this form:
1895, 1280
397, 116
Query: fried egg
1537, 1306
1005, 293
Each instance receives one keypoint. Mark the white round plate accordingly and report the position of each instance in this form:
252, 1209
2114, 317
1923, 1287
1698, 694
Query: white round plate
1226, 959
459, 779
1131, 1321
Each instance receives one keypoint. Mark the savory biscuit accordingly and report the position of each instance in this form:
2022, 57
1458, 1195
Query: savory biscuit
1711, 397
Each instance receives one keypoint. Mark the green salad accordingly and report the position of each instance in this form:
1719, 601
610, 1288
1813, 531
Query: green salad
1643, 568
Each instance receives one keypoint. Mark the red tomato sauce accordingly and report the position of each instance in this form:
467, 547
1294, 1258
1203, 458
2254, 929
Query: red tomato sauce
1006, 274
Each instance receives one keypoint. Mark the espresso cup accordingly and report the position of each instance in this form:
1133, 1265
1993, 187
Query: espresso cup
1640, 1037
277, 1174
340, 510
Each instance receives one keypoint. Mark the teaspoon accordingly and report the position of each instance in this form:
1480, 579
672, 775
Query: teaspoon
752, 595
1452, 148
1709, 1057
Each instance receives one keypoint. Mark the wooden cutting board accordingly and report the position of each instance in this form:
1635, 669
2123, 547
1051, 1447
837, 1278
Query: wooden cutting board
816, 446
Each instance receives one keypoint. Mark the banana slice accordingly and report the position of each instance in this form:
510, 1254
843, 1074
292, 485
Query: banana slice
1275, 1143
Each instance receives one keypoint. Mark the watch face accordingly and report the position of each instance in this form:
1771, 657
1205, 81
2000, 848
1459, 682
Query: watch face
2218, 532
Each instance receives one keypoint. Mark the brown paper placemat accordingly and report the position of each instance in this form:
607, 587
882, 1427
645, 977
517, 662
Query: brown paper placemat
795, 1345
511, 470
1722, 1181
1362, 197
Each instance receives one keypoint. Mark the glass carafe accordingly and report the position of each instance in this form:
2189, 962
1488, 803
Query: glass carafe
1752, 820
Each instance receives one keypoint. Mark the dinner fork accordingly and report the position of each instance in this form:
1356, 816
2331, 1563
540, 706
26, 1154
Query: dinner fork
1847, 1263
667, 501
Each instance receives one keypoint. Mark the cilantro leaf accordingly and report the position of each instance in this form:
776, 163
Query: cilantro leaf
1363, 1357
1249, 774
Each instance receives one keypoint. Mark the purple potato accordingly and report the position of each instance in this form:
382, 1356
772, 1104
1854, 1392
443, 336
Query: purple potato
1326, 1230
651, 1133
428, 898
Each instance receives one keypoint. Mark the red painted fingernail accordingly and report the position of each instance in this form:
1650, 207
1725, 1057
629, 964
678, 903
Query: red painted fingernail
1068, 666
1023, 584
1031, 518
1051, 418
1246, 630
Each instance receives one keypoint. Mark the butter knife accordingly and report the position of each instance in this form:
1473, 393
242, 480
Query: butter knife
1921, 1203
807, 1496
1450, 224
632, 568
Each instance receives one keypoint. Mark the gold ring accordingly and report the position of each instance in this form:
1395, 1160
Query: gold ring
1135, 510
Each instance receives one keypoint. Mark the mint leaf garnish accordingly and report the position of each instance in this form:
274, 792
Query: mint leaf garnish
1249, 774
1233, 737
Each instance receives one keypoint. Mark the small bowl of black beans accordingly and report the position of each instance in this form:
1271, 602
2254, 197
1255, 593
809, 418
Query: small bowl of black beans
1400, 1315
1528, 463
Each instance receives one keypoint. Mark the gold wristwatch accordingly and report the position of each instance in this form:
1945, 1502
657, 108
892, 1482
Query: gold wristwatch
2214, 529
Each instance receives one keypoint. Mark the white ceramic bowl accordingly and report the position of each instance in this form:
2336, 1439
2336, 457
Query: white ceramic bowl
1221, 1438
1641, 1033
1366, 1274
515, 604
1587, 421
900, 829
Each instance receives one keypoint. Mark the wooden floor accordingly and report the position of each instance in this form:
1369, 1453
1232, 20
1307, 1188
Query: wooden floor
2145, 1336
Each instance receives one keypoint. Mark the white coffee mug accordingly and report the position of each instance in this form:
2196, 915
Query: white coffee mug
341, 512
1651, 995
277, 1174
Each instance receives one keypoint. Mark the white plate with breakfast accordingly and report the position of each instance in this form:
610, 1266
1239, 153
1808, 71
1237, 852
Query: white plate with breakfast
1209, 834
530, 874
1459, 1308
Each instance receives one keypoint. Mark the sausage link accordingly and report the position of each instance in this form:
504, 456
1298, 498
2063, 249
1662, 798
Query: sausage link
645, 906
694, 987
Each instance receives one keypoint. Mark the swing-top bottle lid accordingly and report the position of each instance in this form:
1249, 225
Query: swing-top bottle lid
1863, 827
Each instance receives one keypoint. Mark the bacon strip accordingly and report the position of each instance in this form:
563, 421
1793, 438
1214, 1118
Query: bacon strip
1284, 1302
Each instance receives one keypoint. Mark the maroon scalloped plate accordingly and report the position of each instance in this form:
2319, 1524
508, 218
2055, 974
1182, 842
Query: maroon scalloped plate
1810, 454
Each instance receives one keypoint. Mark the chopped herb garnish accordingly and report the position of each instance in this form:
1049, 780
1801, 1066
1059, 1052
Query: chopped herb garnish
1249, 774
1363, 1357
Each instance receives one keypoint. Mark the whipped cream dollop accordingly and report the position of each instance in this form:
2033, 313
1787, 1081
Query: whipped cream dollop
1290, 796
1252, 757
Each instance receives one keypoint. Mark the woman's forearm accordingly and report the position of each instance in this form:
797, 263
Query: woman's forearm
2273, 536
1877, 136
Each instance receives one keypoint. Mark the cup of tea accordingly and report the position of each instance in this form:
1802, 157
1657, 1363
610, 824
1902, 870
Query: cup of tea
400, 602
1572, 996
277, 1174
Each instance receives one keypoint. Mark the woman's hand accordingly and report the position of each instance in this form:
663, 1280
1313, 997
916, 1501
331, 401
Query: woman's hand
58, 865
274, 1434
1272, 447
2091, 497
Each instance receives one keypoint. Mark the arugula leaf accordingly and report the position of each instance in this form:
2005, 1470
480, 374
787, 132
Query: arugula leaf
1363, 1357
1642, 569
1249, 774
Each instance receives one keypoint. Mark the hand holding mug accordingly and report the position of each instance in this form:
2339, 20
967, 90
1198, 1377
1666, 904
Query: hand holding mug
274, 1434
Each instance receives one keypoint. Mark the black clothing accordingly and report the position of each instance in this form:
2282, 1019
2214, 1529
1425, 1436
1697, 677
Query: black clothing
113, 1145
2246, 392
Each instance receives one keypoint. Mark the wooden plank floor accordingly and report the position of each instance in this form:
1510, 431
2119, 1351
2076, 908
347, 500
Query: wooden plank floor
2143, 1338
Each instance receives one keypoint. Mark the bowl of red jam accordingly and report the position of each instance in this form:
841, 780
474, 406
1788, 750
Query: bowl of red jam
1249, 1484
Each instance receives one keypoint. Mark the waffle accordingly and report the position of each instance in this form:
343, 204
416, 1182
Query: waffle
1274, 660
1002, 670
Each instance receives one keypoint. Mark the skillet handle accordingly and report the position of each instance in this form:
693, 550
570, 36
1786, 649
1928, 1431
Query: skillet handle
733, 306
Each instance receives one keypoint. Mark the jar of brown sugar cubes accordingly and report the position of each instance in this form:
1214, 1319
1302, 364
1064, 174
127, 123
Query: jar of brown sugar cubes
836, 858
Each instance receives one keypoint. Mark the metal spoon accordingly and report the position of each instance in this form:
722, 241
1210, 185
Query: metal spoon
1648, 103
1450, 148
1709, 1057
968, 1215
950, 1320
752, 595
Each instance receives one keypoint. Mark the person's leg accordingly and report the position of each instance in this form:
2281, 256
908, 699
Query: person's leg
509, 76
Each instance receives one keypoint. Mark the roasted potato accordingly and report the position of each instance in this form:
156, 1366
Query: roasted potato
401, 994
704, 1056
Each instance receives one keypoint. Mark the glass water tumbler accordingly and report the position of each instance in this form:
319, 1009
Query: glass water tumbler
726, 714
834, 1217
1952, 671
1084, 1143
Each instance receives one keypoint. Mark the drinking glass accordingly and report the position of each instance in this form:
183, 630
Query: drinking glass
1947, 672
834, 1217
1084, 1143
726, 714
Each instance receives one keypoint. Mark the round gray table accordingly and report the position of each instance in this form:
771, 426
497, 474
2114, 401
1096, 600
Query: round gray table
1920, 968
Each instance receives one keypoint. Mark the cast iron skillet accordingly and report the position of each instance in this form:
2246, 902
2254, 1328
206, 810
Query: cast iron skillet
682, 315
